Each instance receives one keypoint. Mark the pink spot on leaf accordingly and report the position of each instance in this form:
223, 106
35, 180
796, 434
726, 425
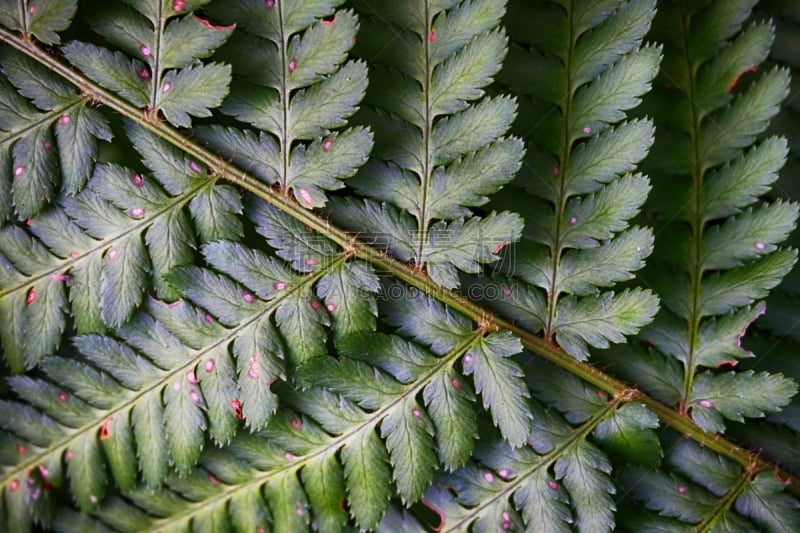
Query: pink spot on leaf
60, 277
292, 65
504, 473
468, 358
573, 221
209, 318
191, 377
194, 396
329, 20
69, 455
552, 484
32, 9
289, 457
195, 167
62, 396
506, 526
167, 86
269, 4
248, 297
760, 246
331, 308
18, 171
432, 36
31, 297
587, 130
254, 370
315, 305
209, 366
306, 196
416, 413
279, 286
506, 516
14, 485
137, 180
296, 424
327, 144
489, 477
455, 383
505, 290
64, 120
73, 255
178, 5
145, 50
729, 362
681, 489
143, 73
43, 471
500, 247
112, 253
47, 144
136, 212
708, 404
213, 479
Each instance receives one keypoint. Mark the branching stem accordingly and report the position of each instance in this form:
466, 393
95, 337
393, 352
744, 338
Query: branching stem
539, 346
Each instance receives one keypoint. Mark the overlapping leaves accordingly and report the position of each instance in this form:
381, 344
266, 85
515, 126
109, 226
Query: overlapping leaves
93, 255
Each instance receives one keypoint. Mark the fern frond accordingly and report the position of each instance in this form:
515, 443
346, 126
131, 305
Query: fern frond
102, 244
299, 90
727, 246
706, 492
159, 68
50, 145
374, 418
580, 174
441, 146
42, 20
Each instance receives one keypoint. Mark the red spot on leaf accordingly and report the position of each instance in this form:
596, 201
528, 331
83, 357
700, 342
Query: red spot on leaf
62, 396
432, 36
31, 297
327, 21
269, 4
210, 26
327, 144
236, 405
213, 480
295, 424
21, 449
292, 65
500, 247
105, 431
681, 490
178, 5
14, 485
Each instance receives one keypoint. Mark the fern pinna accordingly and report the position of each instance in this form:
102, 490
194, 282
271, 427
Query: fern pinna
198, 346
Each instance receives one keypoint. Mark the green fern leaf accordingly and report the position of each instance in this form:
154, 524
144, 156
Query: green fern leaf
160, 67
443, 148
43, 20
300, 93
581, 236
723, 242
39, 170
92, 243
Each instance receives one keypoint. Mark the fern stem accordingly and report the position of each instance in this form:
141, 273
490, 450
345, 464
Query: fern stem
723, 504
156, 75
285, 143
563, 165
695, 221
427, 167
223, 169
